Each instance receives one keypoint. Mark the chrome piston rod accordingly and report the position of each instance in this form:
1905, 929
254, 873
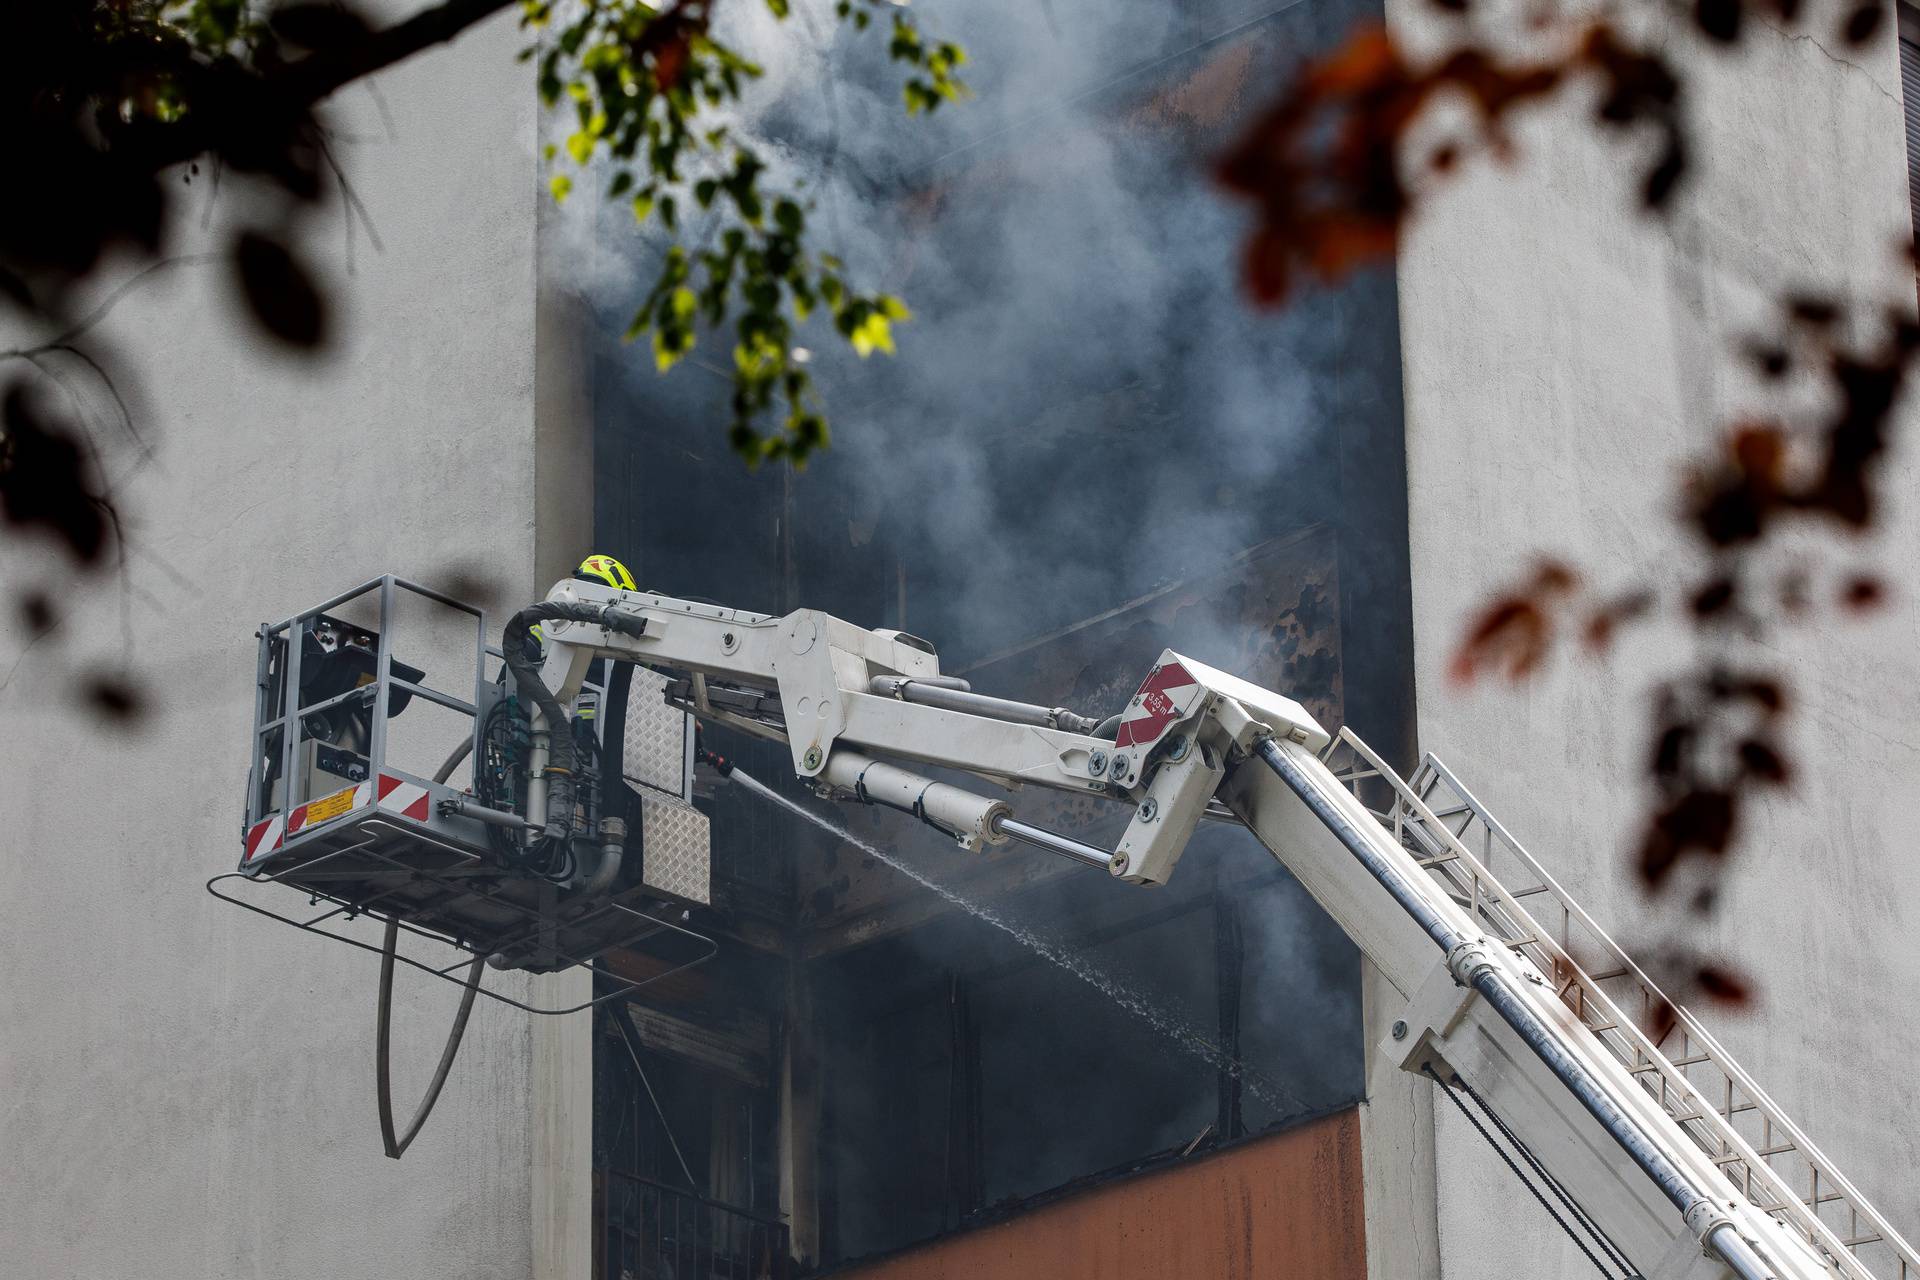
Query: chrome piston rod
1053, 842
940, 693
1723, 1238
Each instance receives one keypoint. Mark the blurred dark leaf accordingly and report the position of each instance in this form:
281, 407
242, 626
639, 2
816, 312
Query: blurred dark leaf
1772, 361
1715, 598
1763, 762
1605, 622
283, 296
1321, 165
1719, 19
1863, 592
45, 481
114, 698
36, 612
1733, 500
1722, 984
1664, 178
1811, 310
1513, 634
1761, 693
1697, 821
317, 24
1671, 749
1864, 23
669, 58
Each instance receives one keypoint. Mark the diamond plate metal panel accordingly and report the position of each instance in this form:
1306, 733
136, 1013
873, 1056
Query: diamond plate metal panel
653, 751
676, 853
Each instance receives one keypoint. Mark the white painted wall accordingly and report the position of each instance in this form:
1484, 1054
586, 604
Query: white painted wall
186, 1090
1562, 354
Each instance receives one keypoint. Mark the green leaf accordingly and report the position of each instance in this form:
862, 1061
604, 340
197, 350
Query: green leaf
758, 271
871, 335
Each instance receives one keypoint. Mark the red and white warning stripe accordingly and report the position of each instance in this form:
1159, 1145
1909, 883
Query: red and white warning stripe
1154, 707
264, 837
408, 799
271, 832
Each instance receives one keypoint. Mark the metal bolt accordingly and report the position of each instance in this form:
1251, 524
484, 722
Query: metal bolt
1097, 763
1399, 1031
812, 759
1118, 769
729, 642
1149, 809
1119, 864
1177, 749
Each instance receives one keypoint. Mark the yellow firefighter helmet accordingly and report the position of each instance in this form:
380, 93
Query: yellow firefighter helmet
608, 570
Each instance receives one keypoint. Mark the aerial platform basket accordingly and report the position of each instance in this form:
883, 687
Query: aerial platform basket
356, 806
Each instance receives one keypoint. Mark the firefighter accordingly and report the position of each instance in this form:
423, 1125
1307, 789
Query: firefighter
594, 568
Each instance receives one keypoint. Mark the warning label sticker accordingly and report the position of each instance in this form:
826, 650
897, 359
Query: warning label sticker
331, 807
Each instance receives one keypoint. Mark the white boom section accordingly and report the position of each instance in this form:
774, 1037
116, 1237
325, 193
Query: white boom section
1487, 1002
1662, 1046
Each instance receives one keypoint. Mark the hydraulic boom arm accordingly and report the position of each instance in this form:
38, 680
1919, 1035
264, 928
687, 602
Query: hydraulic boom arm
856, 706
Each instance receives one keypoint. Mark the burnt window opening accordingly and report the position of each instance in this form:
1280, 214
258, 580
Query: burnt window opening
1087, 450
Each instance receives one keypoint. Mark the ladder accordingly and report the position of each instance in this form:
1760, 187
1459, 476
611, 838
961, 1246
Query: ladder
1763, 1154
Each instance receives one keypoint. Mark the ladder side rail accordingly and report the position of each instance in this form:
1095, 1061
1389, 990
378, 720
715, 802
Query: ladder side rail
1814, 1157
1804, 1220
1520, 1043
1721, 1059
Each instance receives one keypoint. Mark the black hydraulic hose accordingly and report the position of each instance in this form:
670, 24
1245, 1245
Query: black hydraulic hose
396, 1144
523, 661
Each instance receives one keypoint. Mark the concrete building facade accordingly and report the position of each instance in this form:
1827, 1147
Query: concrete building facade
1566, 358
186, 1090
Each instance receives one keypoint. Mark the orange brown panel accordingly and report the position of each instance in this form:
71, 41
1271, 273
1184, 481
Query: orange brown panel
1281, 1207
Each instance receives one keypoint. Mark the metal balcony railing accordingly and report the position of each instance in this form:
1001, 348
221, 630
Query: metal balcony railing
652, 1231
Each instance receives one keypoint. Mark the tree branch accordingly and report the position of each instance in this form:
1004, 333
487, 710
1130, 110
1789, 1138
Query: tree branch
246, 96
314, 77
